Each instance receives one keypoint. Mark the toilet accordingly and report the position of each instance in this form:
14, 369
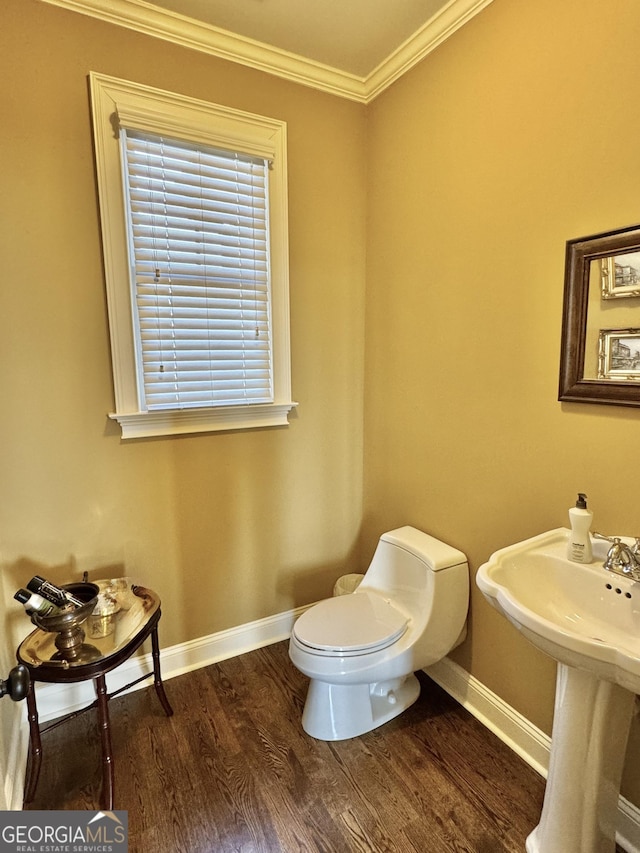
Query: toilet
361, 650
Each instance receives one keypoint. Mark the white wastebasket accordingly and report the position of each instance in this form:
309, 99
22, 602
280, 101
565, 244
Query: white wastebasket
347, 584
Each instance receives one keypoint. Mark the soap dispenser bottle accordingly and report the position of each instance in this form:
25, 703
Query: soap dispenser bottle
579, 547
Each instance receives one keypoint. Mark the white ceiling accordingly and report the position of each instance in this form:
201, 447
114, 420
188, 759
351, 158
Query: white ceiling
350, 35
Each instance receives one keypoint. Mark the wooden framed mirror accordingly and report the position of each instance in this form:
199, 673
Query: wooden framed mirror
600, 354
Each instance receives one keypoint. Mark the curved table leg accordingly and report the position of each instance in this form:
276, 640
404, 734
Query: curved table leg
106, 799
35, 746
157, 678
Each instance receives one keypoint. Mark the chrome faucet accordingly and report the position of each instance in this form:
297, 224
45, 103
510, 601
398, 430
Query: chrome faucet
622, 559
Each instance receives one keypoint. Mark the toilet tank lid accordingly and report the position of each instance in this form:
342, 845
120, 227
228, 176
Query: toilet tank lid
438, 555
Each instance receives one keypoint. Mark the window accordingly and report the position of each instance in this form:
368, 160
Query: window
194, 227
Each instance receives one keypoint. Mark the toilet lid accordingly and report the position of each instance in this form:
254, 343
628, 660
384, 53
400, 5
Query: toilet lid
351, 624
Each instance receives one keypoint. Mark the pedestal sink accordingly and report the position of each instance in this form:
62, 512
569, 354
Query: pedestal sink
588, 619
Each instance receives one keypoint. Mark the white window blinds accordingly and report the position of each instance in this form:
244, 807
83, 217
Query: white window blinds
199, 257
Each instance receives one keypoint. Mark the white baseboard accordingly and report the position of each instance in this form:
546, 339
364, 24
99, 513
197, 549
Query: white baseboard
13, 788
54, 700
505, 722
529, 742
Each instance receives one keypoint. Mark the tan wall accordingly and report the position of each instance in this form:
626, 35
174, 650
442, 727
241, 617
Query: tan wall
515, 135
228, 528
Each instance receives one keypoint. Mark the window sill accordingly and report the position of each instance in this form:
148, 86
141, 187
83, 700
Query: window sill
188, 421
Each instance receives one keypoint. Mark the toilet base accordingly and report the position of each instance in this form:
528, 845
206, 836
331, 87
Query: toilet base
342, 711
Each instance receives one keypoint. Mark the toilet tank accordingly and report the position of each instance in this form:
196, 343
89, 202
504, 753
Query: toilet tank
428, 580
404, 560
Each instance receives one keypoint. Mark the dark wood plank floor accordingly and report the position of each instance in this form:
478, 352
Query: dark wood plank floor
232, 770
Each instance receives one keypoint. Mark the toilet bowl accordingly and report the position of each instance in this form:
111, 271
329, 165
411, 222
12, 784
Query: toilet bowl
361, 650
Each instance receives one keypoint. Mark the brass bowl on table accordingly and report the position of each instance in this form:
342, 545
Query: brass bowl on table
68, 625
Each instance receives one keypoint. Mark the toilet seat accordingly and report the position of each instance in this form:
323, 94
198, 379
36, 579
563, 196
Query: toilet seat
354, 624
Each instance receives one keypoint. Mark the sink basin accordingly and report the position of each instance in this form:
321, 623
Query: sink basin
578, 613
588, 619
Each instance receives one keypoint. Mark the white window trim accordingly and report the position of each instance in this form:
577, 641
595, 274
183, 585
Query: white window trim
117, 103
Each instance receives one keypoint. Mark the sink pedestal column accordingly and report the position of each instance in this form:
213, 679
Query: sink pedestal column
590, 731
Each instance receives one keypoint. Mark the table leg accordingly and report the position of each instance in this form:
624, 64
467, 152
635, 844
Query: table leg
106, 800
157, 677
35, 746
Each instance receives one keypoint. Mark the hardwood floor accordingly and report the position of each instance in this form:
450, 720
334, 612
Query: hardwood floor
232, 770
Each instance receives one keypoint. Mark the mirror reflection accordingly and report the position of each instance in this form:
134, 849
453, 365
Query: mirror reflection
612, 343
600, 358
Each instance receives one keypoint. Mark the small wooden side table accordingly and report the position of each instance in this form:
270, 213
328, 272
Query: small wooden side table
136, 620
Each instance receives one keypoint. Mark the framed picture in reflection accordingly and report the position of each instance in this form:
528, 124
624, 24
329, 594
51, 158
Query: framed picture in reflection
620, 275
619, 354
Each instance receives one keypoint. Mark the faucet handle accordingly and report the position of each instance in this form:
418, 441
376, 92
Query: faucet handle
597, 535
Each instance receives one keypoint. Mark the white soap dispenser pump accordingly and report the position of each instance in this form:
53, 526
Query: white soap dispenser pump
579, 547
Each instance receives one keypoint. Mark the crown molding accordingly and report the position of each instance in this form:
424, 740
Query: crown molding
146, 18
151, 20
436, 30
